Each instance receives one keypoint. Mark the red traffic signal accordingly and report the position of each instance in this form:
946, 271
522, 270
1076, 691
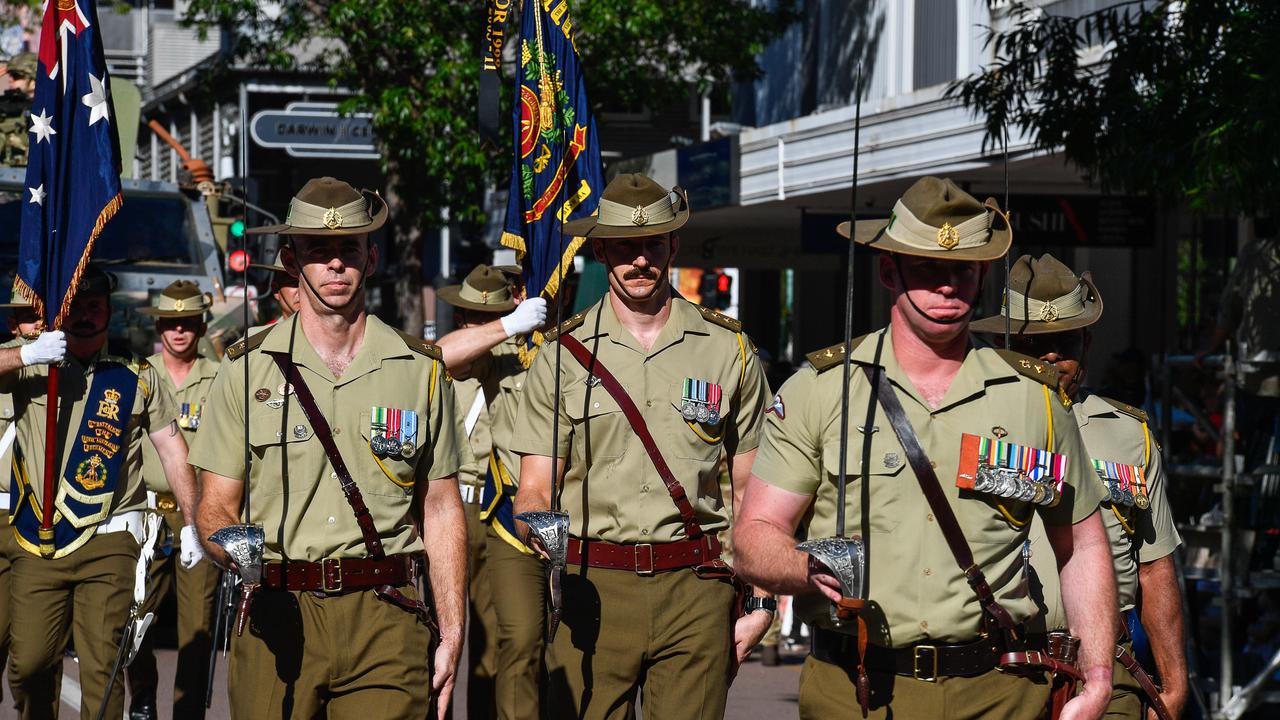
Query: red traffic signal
238, 261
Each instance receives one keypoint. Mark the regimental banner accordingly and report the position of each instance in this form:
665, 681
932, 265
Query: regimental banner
556, 175
73, 174
93, 469
1126, 484
1009, 470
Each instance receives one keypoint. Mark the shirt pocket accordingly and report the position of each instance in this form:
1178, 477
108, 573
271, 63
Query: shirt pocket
392, 475
884, 475
269, 439
598, 419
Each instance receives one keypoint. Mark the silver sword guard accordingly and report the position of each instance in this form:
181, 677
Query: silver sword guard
846, 559
552, 530
245, 545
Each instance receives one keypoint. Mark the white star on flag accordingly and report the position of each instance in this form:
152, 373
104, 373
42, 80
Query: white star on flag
37, 195
42, 126
96, 101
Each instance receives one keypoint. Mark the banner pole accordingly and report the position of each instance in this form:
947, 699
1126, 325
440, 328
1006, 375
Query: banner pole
51, 463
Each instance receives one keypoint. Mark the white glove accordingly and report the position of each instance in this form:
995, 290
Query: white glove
192, 552
527, 316
48, 347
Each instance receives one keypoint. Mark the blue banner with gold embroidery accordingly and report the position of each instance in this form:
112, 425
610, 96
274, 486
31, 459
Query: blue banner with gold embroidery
556, 175
93, 469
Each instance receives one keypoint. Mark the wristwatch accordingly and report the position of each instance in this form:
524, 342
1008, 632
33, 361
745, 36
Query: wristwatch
755, 603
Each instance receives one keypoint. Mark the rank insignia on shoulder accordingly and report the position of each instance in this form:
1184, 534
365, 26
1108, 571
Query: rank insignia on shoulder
1126, 484
1009, 470
778, 407
700, 401
393, 432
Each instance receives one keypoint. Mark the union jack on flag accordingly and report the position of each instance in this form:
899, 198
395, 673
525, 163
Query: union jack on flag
73, 172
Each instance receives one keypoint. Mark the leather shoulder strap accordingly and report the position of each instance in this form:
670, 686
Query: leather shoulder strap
611, 385
932, 490
350, 490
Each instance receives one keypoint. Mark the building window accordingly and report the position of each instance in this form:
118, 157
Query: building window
935, 38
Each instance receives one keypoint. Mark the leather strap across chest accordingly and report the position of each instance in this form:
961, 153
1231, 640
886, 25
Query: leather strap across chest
611, 385
932, 489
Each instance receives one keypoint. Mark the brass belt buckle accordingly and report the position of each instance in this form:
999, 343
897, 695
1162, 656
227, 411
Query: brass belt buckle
931, 663
644, 551
325, 565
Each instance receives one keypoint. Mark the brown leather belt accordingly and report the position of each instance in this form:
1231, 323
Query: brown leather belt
644, 559
338, 575
921, 661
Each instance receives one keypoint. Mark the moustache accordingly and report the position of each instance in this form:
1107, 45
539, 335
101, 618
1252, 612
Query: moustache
640, 275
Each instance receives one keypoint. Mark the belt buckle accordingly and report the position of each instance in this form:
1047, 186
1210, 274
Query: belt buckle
932, 663
336, 565
642, 551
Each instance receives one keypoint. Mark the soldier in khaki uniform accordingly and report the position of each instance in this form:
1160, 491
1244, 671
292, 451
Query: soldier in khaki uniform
337, 627
109, 402
15, 124
179, 314
1050, 311
488, 347
932, 649
645, 609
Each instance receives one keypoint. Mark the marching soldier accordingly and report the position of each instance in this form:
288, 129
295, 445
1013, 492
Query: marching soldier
188, 375
1050, 312
354, 453
647, 602
941, 436
284, 290
488, 347
15, 110
109, 402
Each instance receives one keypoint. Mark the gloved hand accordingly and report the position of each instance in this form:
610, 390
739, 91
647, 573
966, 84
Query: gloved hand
48, 347
192, 552
527, 316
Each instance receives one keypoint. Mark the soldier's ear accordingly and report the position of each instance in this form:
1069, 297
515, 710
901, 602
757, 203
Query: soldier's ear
289, 259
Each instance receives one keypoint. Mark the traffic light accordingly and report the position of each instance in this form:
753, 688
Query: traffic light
237, 228
724, 291
716, 290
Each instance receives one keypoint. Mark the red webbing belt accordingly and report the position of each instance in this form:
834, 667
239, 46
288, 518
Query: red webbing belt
372, 543
611, 385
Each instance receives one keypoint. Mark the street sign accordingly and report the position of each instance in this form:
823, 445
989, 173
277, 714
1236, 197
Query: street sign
315, 130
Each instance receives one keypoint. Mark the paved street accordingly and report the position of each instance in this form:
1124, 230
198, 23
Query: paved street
760, 693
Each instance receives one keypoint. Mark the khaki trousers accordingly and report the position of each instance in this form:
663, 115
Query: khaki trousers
195, 589
87, 592
482, 626
667, 636
1126, 695
519, 604
828, 691
340, 656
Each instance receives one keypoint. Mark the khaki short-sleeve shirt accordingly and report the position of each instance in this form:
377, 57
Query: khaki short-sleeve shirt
916, 590
294, 491
472, 411
1137, 535
194, 394
8, 431
153, 409
503, 377
611, 490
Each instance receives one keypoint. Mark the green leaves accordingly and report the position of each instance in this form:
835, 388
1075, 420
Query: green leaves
1169, 99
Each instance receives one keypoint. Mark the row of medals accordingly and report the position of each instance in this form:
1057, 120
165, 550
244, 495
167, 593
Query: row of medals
384, 446
694, 411
1013, 484
1121, 496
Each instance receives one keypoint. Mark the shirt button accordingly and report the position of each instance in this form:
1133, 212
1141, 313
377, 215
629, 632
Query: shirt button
933, 464
595, 405
929, 517
644, 488
648, 403
924, 624
337, 431
333, 475
644, 532
927, 571
517, 386
332, 520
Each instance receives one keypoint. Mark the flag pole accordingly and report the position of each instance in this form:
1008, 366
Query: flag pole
47, 548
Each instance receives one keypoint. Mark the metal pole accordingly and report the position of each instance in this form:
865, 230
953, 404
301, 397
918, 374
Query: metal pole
842, 473
1225, 575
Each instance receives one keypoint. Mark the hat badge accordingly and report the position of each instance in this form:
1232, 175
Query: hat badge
332, 218
948, 237
1048, 312
639, 216
179, 305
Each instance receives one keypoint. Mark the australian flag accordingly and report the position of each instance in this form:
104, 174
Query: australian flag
556, 174
73, 171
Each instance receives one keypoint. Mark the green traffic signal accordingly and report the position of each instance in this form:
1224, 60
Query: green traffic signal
237, 228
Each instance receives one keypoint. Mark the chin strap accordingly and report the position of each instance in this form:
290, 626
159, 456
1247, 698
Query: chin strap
336, 308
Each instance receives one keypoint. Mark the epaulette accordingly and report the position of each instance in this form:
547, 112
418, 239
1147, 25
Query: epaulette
716, 317
829, 357
1126, 409
242, 346
566, 326
1045, 373
420, 346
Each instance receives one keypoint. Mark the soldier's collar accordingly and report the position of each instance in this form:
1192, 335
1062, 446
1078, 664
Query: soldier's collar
380, 343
